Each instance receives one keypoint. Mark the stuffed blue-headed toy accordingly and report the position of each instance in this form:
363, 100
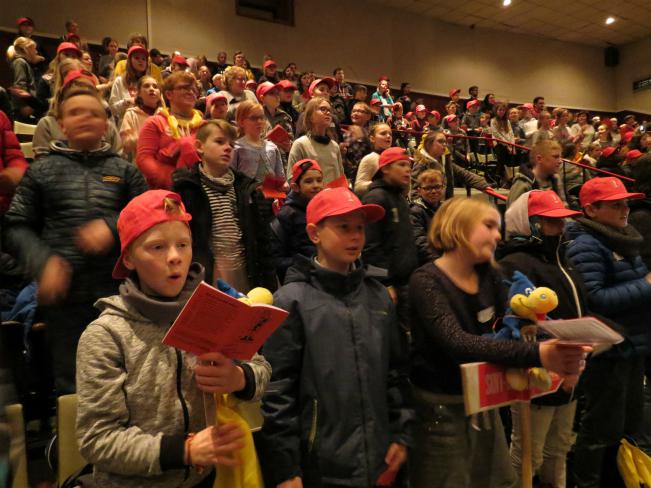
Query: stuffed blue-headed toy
527, 305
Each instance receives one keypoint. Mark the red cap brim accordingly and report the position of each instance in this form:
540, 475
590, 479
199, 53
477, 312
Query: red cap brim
559, 213
621, 196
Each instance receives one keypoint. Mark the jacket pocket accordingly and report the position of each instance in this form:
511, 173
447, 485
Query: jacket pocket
314, 426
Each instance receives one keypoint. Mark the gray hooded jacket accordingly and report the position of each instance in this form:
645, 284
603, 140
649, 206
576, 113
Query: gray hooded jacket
137, 397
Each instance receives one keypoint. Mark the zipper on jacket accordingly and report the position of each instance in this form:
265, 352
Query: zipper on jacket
361, 400
184, 407
313, 426
570, 281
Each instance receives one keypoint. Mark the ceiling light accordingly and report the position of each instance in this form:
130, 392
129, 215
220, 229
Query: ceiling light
609, 20
506, 3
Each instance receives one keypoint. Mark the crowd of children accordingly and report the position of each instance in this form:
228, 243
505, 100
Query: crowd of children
150, 179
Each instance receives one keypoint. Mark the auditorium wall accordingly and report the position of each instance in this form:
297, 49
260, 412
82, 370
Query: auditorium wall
366, 39
634, 65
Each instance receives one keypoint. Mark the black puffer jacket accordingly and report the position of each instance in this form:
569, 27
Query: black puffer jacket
390, 242
252, 214
422, 213
339, 393
288, 235
59, 193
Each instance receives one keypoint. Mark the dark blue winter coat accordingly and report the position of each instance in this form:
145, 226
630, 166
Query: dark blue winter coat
614, 276
288, 235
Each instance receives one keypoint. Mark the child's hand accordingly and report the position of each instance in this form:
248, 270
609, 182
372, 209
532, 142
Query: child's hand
54, 282
216, 373
566, 360
293, 483
215, 445
95, 237
395, 458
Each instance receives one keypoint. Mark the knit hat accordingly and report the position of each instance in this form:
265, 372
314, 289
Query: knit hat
141, 214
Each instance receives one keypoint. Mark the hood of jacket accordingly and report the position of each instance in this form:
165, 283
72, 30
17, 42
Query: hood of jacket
133, 304
516, 218
626, 241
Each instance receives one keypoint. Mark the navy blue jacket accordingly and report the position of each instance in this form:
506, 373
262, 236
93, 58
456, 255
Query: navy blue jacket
288, 235
614, 276
339, 390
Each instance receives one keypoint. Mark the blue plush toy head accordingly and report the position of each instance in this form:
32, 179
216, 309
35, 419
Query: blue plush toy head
511, 323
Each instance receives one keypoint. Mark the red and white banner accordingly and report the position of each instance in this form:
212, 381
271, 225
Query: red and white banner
485, 388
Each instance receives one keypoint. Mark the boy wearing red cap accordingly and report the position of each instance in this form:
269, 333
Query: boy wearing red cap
336, 409
605, 250
61, 225
141, 402
390, 242
535, 247
288, 235
459, 145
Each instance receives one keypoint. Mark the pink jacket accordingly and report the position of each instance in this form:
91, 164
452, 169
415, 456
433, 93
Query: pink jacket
10, 157
159, 154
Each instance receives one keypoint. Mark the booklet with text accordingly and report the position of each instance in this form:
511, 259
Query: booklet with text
212, 321
584, 330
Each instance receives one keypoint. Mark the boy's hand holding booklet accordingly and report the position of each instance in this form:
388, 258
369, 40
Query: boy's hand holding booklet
213, 321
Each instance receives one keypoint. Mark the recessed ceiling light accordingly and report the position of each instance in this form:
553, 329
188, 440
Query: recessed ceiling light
506, 3
610, 20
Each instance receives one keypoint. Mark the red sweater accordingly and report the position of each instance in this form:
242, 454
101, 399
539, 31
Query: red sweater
10, 157
159, 154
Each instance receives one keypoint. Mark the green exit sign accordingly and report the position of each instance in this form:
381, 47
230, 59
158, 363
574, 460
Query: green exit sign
642, 84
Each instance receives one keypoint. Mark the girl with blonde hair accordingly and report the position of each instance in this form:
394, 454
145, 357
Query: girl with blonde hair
253, 155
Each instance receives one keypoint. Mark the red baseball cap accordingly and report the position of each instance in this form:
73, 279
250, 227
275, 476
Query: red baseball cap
376, 101
68, 46
264, 88
141, 214
526, 106
383, 78
604, 190
332, 202
303, 166
250, 85
627, 136
25, 20
409, 115
80, 73
392, 155
608, 151
421, 108
287, 85
450, 118
137, 48
212, 98
472, 103
435, 113
268, 63
329, 80
546, 203
178, 59
454, 91
634, 154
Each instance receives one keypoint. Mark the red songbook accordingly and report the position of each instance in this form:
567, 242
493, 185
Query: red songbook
278, 135
272, 187
212, 321
339, 182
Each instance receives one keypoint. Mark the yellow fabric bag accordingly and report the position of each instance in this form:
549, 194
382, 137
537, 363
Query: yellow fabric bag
634, 465
247, 474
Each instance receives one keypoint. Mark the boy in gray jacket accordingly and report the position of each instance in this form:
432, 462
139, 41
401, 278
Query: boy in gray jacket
140, 401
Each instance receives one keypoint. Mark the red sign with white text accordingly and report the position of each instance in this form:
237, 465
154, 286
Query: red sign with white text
485, 387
